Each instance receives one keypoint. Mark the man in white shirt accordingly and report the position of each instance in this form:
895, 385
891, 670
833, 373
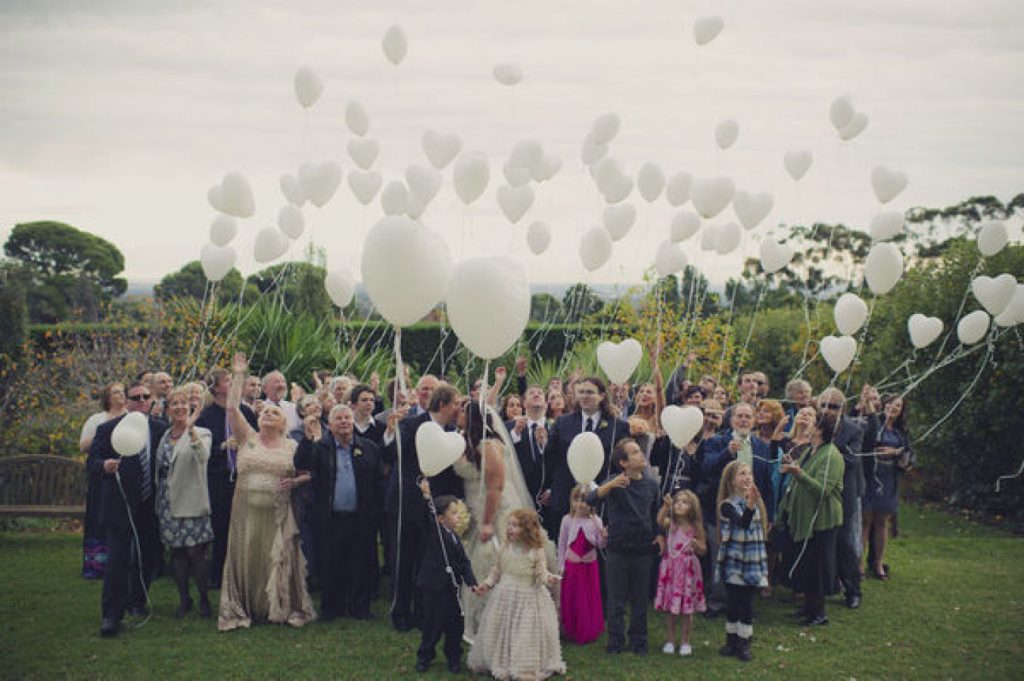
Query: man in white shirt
530, 436
274, 389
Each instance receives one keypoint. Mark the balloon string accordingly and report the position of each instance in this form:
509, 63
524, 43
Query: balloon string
984, 363
1019, 473
398, 447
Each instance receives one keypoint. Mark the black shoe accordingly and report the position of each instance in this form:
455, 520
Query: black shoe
204, 609
852, 601
422, 666
454, 667
743, 649
109, 627
183, 608
614, 649
639, 649
729, 649
817, 621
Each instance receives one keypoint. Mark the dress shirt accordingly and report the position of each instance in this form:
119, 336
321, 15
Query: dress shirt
344, 481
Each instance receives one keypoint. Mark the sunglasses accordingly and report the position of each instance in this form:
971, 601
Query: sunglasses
831, 405
139, 398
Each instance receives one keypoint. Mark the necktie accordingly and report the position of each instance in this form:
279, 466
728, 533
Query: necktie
590, 425
145, 464
533, 441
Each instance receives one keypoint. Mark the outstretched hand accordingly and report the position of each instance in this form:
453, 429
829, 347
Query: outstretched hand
240, 364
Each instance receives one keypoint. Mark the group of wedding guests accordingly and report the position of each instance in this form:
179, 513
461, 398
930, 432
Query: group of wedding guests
310, 493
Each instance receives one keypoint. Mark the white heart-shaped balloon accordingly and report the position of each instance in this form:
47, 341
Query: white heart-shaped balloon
546, 168
850, 313
340, 286
217, 261
726, 133
130, 434
470, 176
222, 230
751, 208
681, 423
669, 259
395, 198
1013, 313
727, 238
364, 151
605, 128
605, 171
233, 196
488, 304
618, 189
595, 248
618, 220
923, 330
356, 118
538, 237
515, 201
857, 125
508, 74
707, 28
710, 195
437, 449
888, 183
308, 87
441, 149
992, 238
619, 360
292, 189
290, 221
797, 162
270, 245
650, 181
885, 226
684, 225
525, 154
883, 268
399, 244
365, 184
838, 352
516, 176
585, 457
841, 112
994, 294
394, 45
592, 151
973, 327
774, 255
319, 181
677, 191
424, 182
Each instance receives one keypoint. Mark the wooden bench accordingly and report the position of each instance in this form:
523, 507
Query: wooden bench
42, 486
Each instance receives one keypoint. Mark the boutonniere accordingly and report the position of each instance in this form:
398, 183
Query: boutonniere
603, 424
357, 452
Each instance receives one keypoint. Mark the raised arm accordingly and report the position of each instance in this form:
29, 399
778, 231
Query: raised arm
494, 483
239, 426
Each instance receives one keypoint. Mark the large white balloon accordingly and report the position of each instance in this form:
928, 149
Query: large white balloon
973, 327
515, 201
470, 176
707, 28
669, 259
488, 304
395, 198
233, 196
857, 125
319, 181
797, 162
923, 330
887, 184
515, 175
885, 226
585, 457
619, 360
216, 260
365, 184
356, 118
441, 149
130, 434
650, 181
994, 294
883, 268
605, 128
838, 352
681, 423
292, 190
437, 449
538, 237
398, 244
222, 230
1013, 313
684, 225
508, 74
291, 221
709, 237
726, 133
992, 238
774, 255
595, 248
850, 313
727, 238
752, 208
395, 45
340, 286
841, 112
605, 171
618, 220
710, 195
270, 244
677, 191
364, 151
618, 189
308, 87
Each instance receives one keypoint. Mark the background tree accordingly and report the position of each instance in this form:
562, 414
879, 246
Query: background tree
190, 282
544, 307
580, 301
13, 309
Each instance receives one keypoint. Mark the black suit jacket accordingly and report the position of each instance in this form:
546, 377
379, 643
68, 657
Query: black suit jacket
432, 573
566, 427
113, 512
445, 482
849, 439
531, 463
321, 460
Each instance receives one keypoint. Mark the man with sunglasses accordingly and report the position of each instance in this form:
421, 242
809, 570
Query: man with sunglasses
848, 439
127, 510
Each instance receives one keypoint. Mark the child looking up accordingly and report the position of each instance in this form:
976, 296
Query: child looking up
680, 585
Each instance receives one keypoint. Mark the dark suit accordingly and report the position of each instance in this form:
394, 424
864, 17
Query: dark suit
345, 548
556, 467
129, 570
531, 457
438, 595
848, 440
717, 456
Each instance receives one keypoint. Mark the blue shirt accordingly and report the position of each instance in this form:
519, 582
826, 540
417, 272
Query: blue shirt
344, 481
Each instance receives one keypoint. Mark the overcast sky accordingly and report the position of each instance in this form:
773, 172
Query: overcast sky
118, 115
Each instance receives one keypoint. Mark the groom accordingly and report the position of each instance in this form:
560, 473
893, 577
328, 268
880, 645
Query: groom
404, 501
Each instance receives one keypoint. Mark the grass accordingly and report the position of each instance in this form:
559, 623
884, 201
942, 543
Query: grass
953, 609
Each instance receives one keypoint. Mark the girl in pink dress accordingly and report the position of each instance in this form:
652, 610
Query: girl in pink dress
581, 535
680, 587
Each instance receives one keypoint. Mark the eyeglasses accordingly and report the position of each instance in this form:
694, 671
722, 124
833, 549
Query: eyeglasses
139, 398
585, 391
831, 405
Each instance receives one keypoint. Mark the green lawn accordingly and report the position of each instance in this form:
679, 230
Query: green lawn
953, 609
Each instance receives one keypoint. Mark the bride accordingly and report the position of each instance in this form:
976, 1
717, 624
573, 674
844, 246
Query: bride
494, 488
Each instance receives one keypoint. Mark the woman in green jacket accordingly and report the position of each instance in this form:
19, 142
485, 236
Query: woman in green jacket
811, 513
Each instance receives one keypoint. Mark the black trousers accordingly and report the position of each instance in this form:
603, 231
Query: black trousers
408, 550
739, 603
848, 539
344, 546
127, 571
222, 491
441, 615
628, 578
